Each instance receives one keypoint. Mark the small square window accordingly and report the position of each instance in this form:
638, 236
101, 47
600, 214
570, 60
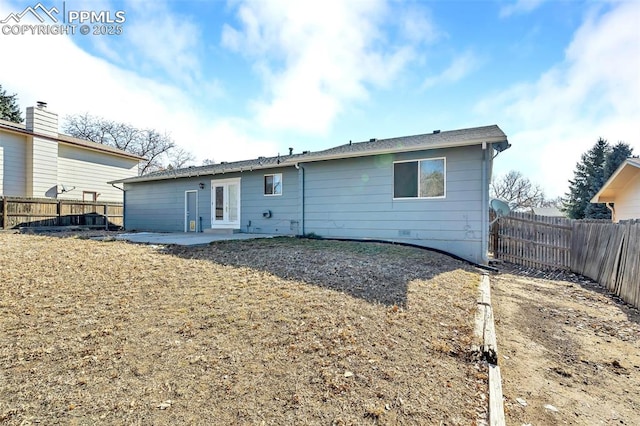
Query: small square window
89, 196
273, 184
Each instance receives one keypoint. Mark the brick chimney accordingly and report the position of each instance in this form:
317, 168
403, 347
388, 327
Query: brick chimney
42, 121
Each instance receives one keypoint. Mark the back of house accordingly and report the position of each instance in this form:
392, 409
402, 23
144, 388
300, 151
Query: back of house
429, 190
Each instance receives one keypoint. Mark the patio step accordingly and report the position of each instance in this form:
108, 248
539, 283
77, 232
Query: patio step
220, 231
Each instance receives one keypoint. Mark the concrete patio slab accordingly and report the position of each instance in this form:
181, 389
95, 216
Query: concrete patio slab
185, 238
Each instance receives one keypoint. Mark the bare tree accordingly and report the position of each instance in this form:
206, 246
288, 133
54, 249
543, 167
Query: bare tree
557, 202
179, 158
518, 191
157, 148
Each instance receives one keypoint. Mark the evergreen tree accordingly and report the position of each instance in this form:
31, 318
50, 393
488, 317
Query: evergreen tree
593, 170
9, 109
588, 171
597, 178
620, 152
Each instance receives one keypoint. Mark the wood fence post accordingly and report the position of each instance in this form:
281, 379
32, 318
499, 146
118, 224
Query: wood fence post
106, 217
59, 213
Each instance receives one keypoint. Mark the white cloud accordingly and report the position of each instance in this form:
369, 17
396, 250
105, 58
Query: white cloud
416, 25
520, 7
55, 70
462, 65
316, 57
165, 40
593, 93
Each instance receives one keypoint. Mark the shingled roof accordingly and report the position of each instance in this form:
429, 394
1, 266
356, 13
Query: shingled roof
437, 139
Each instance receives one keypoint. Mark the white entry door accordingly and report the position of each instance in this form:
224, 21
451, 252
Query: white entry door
225, 203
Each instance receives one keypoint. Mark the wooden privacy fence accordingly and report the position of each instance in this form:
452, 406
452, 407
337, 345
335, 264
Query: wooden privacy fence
609, 253
18, 212
606, 252
534, 241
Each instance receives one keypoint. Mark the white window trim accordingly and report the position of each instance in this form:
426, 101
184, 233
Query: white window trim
93, 195
226, 225
281, 183
418, 160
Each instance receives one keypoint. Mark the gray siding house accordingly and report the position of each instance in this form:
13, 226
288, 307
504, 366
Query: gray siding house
430, 190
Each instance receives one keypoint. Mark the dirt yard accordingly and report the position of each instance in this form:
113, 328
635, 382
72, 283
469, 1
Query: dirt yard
280, 331
569, 353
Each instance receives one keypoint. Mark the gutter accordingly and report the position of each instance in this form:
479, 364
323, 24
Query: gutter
124, 207
295, 162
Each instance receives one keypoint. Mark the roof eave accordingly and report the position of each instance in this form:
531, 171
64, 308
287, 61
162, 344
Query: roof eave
103, 151
601, 196
141, 179
25, 132
285, 162
429, 147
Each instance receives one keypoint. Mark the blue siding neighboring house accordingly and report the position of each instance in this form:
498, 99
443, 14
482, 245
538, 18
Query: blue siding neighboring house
430, 190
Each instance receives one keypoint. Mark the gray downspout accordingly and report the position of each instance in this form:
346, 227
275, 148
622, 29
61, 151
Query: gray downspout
124, 205
485, 206
301, 191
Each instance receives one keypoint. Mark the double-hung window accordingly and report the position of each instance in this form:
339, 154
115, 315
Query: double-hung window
419, 178
273, 184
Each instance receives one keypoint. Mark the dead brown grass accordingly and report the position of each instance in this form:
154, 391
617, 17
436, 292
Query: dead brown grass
279, 331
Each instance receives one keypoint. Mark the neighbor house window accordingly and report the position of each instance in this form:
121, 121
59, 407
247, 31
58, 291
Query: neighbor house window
419, 178
89, 196
273, 184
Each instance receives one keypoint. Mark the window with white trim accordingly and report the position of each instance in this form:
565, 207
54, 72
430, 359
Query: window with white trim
273, 184
419, 178
89, 196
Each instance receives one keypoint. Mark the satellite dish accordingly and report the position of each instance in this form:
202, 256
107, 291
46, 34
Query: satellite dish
500, 207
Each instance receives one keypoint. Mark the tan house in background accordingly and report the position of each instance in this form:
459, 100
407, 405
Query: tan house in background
623, 191
38, 162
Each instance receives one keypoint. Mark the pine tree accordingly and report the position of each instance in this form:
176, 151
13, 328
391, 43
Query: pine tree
9, 109
620, 152
589, 171
593, 170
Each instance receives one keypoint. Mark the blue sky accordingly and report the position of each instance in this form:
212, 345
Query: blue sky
240, 79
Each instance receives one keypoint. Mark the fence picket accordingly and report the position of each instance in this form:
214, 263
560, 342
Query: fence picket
20, 212
606, 252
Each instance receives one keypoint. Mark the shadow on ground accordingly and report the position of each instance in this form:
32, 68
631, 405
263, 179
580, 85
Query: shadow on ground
375, 272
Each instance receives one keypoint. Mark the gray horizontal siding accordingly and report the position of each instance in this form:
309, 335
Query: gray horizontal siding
159, 206
417, 218
353, 198
350, 198
284, 208
13, 167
